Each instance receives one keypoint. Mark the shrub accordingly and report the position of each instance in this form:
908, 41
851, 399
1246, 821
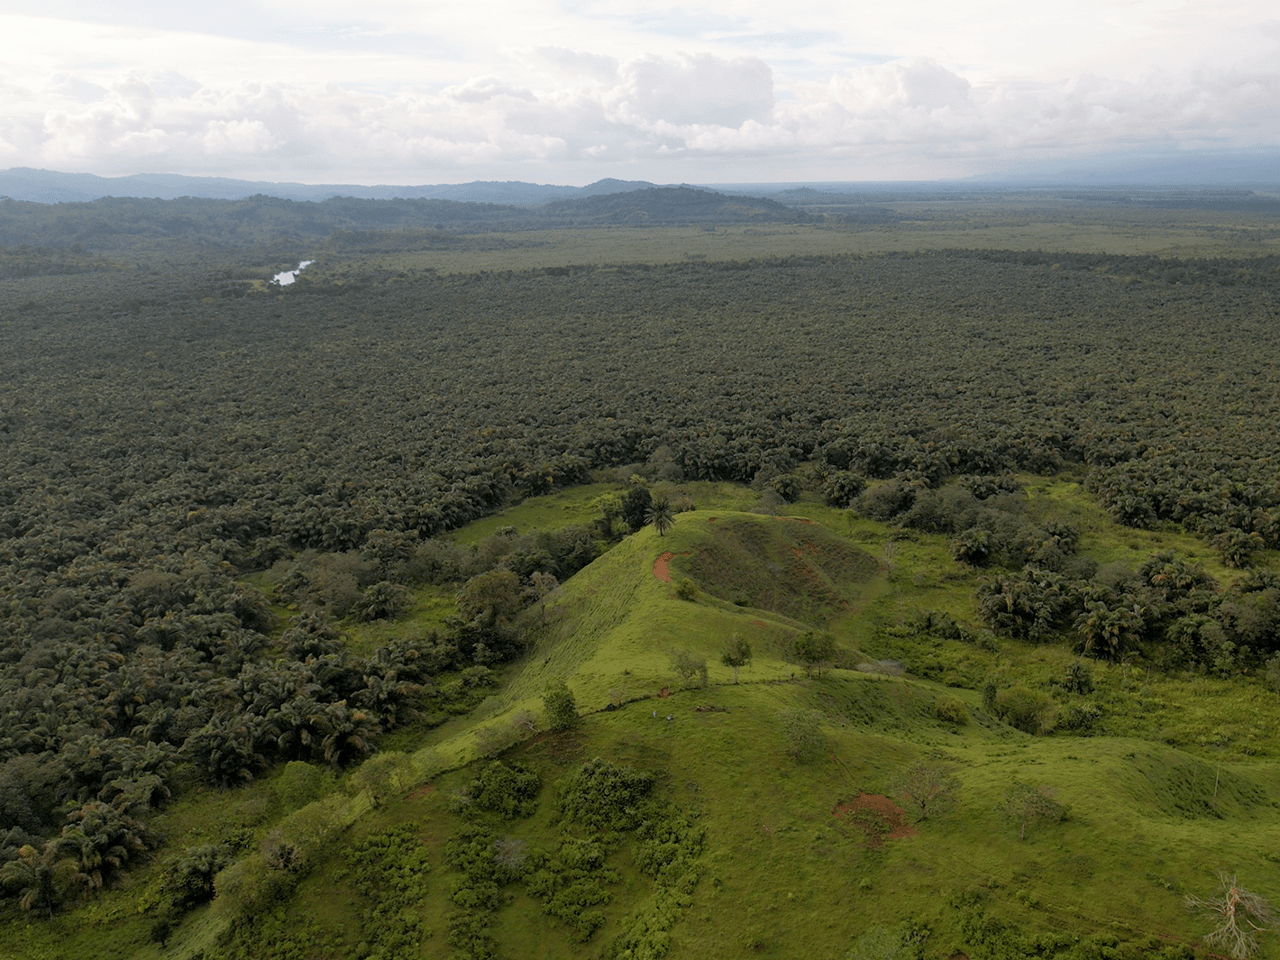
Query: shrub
1026, 709
950, 710
842, 488
1079, 717
604, 796
507, 790
686, 589
802, 734
560, 706
691, 669
190, 880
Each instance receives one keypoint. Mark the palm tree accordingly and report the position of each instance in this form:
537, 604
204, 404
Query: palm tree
659, 514
40, 877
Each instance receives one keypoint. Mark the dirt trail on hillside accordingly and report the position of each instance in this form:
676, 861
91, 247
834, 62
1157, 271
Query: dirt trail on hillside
662, 567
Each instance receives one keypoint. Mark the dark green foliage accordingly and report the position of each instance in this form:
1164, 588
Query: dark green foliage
1237, 547
670, 845
510, 791
602, 796
636, 504
381, 601
189, 882
1030, 605
1108, 631
814, 649
572, 882
974, 546
1078, 678
389, 870
951, 710
659, 515
787, 486
842, 487
41, 878
560, 707
160, 443
686, 590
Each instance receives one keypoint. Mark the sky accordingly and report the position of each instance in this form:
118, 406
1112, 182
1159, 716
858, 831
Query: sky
570, 91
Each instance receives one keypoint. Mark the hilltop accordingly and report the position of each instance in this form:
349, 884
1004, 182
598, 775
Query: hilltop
779, 800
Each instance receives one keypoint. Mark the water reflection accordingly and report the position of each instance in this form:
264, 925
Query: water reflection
286, 278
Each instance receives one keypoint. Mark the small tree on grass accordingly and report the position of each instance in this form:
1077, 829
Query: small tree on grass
1028, 804
1238, 915
802, 732
691, 669
736, 653
561, 708
928, 786
814, 649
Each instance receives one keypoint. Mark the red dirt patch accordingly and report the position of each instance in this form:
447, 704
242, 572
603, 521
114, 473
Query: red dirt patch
662, 566
879, 817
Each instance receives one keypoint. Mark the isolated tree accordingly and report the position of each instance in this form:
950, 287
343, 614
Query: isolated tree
1238, 915
560, 706
659, 515
926, 785
1030, 805
736, 653
813, 649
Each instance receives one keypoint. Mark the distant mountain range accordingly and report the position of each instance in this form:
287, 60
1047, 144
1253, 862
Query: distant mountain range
1248, 171
50, 186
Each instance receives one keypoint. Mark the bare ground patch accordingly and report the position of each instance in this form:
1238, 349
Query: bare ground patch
878, 817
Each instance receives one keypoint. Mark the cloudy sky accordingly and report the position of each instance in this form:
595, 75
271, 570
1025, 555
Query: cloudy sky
569, 91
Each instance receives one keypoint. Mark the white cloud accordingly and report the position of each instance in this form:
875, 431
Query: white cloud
693, 89
551, 90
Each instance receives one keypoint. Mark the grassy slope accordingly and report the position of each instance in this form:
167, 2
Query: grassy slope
782, 876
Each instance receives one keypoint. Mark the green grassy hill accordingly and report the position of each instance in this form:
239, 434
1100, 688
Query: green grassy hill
748, 838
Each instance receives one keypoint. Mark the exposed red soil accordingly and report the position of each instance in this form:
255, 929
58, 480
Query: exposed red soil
873, 811
662, 566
